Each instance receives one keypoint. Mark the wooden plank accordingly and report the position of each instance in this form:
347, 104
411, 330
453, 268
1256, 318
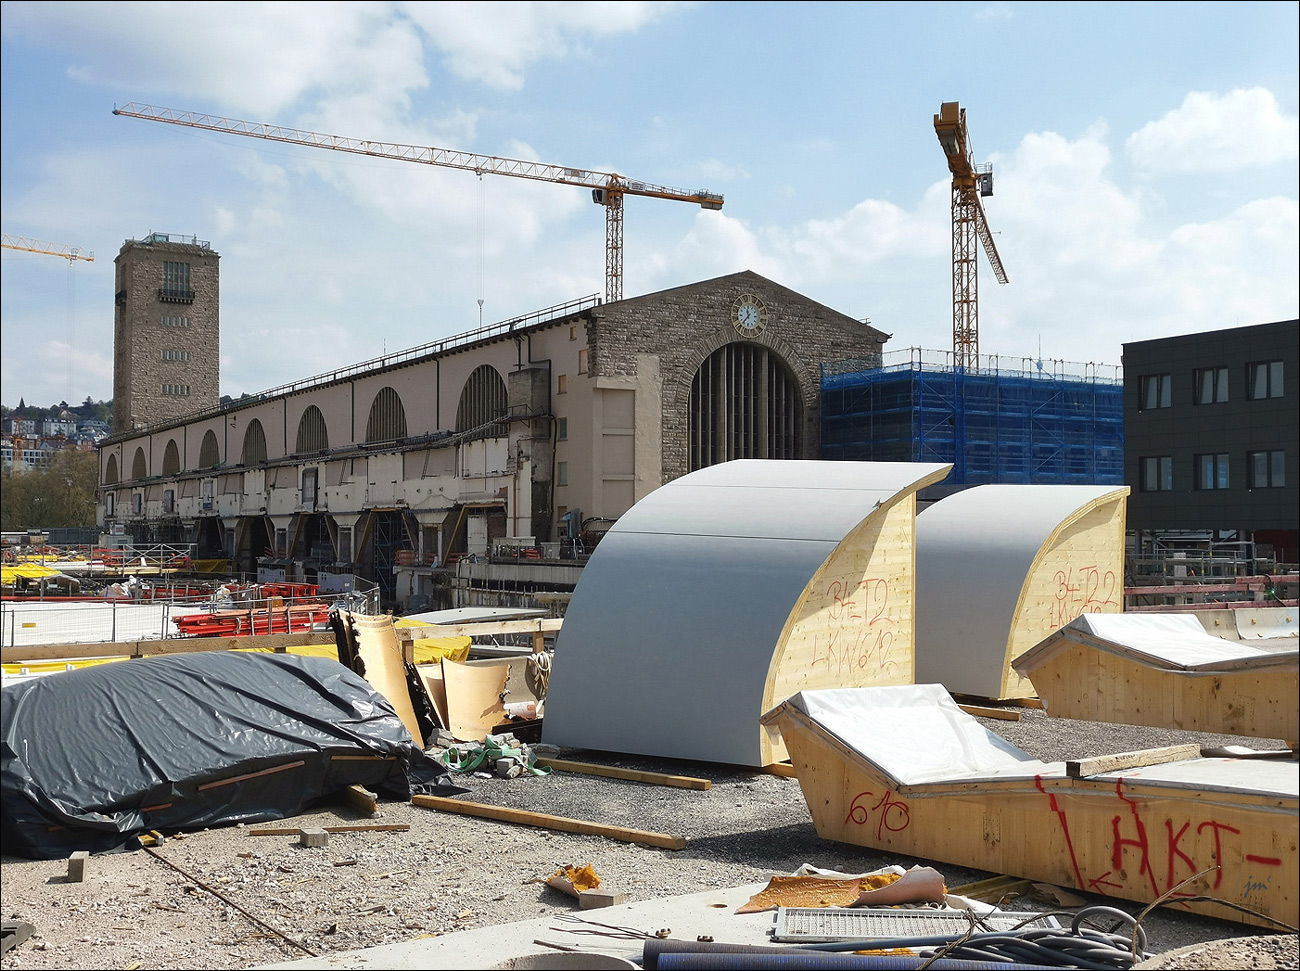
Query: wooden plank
351, 828
483, 628
993, 890
633, 775
362, 799
980, 711
784, 769
171, 645
544, 821
1083, 768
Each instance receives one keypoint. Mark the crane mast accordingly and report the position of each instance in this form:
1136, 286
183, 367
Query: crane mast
969, 183
69, 253
607, 188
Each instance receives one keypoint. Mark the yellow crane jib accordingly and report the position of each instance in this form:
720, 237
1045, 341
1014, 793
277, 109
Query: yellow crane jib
970, 182
69, 253
608, 188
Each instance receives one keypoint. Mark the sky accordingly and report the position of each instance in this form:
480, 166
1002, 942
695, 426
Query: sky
1145, 160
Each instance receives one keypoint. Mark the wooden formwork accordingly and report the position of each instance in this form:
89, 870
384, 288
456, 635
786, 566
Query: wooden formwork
999, 567
724, 591
1081, 673
1135, 834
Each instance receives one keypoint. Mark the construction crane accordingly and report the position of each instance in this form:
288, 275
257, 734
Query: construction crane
69, 253
607, 188
970, 182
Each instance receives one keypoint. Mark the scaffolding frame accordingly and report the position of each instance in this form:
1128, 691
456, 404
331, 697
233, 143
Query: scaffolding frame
1042, 422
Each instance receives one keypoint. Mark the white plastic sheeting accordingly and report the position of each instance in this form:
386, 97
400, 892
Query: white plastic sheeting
975, 554
1176, 641
667, 643
916, 734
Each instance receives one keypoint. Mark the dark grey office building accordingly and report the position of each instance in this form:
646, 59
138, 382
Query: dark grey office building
1212, 436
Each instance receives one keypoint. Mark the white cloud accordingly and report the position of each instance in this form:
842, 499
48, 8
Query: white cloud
260, 59
495, 43
1217, 133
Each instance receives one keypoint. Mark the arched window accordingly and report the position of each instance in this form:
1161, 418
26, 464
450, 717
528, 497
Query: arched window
110, 471
482, 400
744, 405
209, 451
254, 445
387, 417
139, 467
171, 459
312, 434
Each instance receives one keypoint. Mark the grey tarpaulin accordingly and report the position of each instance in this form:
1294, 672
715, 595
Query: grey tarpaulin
94, 757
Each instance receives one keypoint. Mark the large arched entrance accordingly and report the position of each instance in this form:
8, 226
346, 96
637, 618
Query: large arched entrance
745, 404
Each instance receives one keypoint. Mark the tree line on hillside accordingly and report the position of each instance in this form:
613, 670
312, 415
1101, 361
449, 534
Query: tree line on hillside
57, 495
88, 410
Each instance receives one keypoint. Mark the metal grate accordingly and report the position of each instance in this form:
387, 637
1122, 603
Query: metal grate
811, 925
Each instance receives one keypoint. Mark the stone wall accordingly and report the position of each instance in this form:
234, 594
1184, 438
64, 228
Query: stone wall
683, 326
150, 356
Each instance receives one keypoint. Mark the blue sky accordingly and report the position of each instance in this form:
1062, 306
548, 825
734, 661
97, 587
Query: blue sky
1145, 159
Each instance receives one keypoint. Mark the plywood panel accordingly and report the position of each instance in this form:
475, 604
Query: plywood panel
854, 623
1079, 571
1096, 685
1105, 835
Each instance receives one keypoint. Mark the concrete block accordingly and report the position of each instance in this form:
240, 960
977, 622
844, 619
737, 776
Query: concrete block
77, 866
314, 837
590, 899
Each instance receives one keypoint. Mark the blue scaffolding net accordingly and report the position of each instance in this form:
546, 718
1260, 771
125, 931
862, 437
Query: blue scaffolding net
1040, 422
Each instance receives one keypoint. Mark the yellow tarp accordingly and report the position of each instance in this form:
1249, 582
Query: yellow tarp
431, 649
428, 650
29, 571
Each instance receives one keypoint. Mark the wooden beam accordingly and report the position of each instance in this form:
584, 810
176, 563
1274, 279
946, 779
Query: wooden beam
172, 645
1084, 768
784, 769
540, 625
633, 775
352, 828
562, 823
362, 799
981, 712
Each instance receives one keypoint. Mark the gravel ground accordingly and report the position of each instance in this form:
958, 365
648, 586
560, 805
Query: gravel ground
224, 899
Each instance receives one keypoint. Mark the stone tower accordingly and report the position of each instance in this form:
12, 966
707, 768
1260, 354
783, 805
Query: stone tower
166, 334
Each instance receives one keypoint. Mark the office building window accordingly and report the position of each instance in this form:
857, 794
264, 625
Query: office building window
1157, 473
1267, 469
1212, 471
1264, 380
1211, 385
1157, 391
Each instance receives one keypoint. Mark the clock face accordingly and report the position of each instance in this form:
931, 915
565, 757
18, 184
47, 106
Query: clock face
748, 315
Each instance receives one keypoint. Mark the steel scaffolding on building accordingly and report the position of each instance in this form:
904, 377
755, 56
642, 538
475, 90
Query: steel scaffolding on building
1009, 420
